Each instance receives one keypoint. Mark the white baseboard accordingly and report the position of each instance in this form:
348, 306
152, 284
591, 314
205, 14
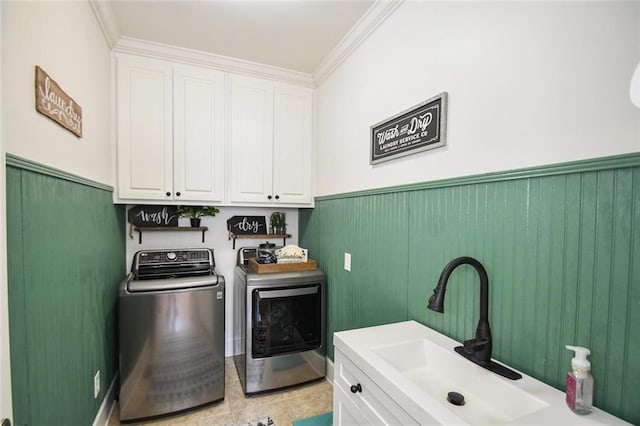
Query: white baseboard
108, 403
329, 374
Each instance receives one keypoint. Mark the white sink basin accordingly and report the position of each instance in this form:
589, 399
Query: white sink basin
489, 399
417, 367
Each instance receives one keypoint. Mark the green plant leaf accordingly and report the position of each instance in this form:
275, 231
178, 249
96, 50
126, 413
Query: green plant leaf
195, 212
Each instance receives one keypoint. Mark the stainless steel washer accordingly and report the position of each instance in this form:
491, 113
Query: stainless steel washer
171, 324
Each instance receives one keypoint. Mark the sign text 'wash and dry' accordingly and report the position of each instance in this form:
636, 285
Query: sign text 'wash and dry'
417, 129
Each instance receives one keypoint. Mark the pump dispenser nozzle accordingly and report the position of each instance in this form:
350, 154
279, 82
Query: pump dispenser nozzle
580, 361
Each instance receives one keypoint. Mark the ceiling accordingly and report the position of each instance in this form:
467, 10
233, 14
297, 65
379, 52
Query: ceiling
296, 34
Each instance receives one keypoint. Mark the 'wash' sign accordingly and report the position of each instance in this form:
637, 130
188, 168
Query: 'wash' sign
53, 102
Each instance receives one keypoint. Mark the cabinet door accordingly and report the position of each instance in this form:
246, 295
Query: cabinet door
251, 171
292, 169
144, 128
345, 412
372, 403
198, 150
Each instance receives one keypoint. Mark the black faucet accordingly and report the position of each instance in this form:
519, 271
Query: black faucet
477, 350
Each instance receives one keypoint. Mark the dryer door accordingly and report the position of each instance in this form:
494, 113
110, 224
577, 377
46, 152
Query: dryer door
286, 320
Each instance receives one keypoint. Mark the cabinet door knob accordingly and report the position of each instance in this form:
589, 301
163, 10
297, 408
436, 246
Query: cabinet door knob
277, 197
356, 388
177, 194
168, 194
269, 197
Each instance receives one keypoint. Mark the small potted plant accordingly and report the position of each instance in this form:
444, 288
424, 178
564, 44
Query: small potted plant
194, 213
278, 225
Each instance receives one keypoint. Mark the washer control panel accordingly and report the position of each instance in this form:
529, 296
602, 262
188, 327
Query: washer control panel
158, 257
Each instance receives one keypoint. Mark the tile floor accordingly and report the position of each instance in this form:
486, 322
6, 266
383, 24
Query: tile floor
282, 406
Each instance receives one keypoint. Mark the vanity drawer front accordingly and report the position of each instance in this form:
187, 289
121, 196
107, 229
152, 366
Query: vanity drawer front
376, 406
345, 410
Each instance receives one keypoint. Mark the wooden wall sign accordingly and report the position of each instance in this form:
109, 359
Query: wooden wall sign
53, 102
421, 127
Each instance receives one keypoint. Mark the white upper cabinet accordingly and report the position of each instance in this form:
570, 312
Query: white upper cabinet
292, 144
251, 174
144, 128
193, 135
270, 143
198, 141
170, 135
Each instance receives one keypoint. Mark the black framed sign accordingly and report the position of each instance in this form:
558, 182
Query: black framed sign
247, 225
417, 129
142, 216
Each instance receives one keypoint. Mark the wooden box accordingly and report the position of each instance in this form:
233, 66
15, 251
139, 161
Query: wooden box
260, 268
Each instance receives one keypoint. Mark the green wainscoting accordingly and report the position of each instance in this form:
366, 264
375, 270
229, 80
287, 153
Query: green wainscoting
561, 245
66, 257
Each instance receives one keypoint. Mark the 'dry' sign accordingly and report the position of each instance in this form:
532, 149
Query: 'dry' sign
247, 225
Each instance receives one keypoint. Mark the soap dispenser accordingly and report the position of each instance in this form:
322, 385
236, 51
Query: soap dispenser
580, 382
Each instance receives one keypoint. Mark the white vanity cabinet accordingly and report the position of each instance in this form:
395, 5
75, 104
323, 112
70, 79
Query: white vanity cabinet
170, 135
358, 400
271, 142
403, 373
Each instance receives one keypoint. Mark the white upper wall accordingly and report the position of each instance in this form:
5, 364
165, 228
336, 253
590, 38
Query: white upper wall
529, 84
64, 39
6, 405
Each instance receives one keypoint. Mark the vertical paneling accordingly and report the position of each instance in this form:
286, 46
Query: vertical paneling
373, 230
630, 344
562, 251
567, 292
16, 294
66, 256
617, 327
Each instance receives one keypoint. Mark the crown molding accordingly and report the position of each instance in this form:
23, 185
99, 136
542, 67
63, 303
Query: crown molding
107, 20
370, 21
210, 60
123, 44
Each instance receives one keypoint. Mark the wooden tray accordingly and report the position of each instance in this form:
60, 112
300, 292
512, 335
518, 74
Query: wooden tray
281, 267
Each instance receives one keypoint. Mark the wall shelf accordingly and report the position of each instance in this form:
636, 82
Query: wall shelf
140, 230
233, 237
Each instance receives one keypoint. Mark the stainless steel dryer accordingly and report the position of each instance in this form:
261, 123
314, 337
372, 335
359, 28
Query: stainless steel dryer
171, 324
280, 319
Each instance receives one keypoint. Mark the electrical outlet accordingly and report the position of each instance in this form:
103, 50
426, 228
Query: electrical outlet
96, 385
347, 262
